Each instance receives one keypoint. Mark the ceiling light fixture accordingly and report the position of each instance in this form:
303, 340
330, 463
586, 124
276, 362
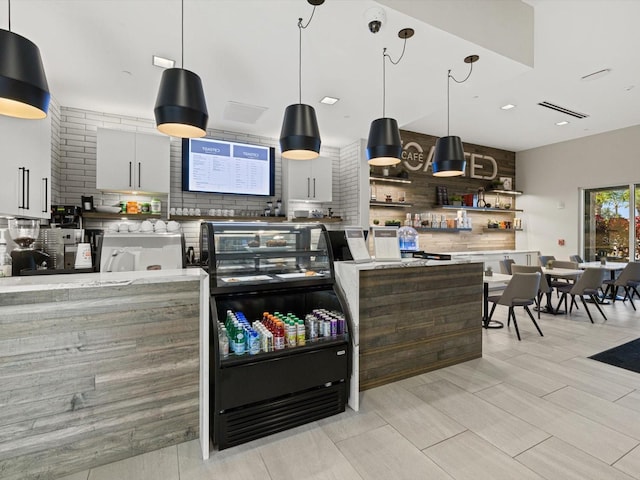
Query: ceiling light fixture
508, 106
163, 62
384, 146
448, 159
329, 100
300, 135
24, 91
181, 110
563, 122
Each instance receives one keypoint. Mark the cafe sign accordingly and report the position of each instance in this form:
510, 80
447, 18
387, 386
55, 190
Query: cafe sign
479, 166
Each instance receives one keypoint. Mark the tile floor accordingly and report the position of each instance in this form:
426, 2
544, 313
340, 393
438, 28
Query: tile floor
535, 409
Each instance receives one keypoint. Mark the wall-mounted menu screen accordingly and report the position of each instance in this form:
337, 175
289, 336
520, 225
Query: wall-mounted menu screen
217, 166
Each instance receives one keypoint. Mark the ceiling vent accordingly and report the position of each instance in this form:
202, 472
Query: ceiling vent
243, 113
560, 109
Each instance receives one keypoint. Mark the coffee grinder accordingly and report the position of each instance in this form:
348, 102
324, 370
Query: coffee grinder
24, 257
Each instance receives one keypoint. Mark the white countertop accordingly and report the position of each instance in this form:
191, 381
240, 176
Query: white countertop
490, 252
405, 262
102, 279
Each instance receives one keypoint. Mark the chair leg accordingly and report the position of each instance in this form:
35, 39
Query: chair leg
614, 293
573, 302
491, 312
533, 320
593, 297
563, 297
630, 296
586, 308
515, 324
539, 303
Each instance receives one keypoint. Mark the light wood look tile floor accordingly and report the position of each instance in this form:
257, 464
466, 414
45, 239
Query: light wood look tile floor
535, 409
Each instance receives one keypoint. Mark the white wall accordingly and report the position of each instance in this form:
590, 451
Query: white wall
551, 177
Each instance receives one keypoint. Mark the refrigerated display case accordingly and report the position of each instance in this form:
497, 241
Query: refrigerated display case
276, 275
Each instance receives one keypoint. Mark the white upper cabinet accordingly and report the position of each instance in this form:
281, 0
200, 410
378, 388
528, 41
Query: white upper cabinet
132, 162
310, 179
25, 184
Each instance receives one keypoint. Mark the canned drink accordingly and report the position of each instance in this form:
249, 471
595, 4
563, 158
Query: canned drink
341, 325
326, 328
333, 326
311, 325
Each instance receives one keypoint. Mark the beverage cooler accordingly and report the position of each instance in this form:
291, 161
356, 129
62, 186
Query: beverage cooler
280, 343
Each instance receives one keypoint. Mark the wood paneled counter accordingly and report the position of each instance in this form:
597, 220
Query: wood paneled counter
411, 317
95, 368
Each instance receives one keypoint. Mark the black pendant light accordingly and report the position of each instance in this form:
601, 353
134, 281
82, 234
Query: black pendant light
181, 109
448, 158
384, 146
300, 135
24, 92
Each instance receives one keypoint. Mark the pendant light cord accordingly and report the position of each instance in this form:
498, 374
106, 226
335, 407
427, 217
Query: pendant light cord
182, 34
449, 76
300, 28
384, 73
9, 8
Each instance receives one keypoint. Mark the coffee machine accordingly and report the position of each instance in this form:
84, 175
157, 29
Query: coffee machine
26, 262
24, 257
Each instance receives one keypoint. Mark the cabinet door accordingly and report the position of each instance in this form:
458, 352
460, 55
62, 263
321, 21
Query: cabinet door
25, 149
321, 187
310, 179
299, 179
116, 156
151, 169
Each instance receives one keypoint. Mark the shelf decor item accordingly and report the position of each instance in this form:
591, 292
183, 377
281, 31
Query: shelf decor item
448, 159
300, 135
384, 146
24, 91
181, 109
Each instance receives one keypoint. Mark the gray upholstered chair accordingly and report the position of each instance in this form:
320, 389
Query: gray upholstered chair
588, 284
521, 291
544, 259
505, 265
629, 279
543, 289
576, 258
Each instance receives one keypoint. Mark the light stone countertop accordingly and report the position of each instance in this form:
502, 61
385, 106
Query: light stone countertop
405, 262
490, 252
103, 279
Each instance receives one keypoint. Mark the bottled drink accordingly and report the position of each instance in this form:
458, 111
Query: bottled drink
300, 334
223, 342
253, 341
278, 336
292, 333
239, 341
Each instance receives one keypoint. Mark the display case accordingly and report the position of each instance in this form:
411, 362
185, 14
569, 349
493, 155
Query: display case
280, 343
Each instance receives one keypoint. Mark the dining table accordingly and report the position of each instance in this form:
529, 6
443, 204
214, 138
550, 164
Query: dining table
493, 282
612, 268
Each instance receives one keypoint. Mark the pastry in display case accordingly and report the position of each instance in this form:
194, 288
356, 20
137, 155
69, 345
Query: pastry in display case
280, 345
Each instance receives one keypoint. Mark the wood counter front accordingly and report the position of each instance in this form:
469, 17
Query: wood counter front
95, 372
413, 319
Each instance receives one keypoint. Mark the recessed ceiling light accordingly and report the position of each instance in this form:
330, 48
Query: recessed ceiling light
596, 75
329, 100
564, 122
163, 62
508, 106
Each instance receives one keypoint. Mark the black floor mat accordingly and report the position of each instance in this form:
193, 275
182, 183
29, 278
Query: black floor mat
625, 356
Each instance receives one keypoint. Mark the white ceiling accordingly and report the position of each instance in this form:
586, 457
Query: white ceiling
97, 56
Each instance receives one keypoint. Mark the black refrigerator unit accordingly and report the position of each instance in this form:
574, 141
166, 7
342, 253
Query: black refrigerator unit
280, 351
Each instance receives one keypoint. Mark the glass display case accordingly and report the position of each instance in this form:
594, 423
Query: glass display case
280, 345
255, 255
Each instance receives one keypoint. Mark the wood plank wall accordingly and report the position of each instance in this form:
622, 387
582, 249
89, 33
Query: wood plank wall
93, 375
414, 320
421, 194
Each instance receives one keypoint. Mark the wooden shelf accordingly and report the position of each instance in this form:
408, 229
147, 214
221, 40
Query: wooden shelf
390, 204
506, 230
442, 230
375, 178
119, 216
197, 218
505, 192
480, 209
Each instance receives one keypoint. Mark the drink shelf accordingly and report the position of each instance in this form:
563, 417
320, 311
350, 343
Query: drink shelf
442, 230
480, 209
507, 230
390, 204
375, 178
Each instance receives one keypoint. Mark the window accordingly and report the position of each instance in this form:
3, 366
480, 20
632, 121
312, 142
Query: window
608, 213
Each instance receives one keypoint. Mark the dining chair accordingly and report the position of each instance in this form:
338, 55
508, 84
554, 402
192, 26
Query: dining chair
543, 289
588, 284
505, 265
629, 280
544, 259
521, 291
576, 258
